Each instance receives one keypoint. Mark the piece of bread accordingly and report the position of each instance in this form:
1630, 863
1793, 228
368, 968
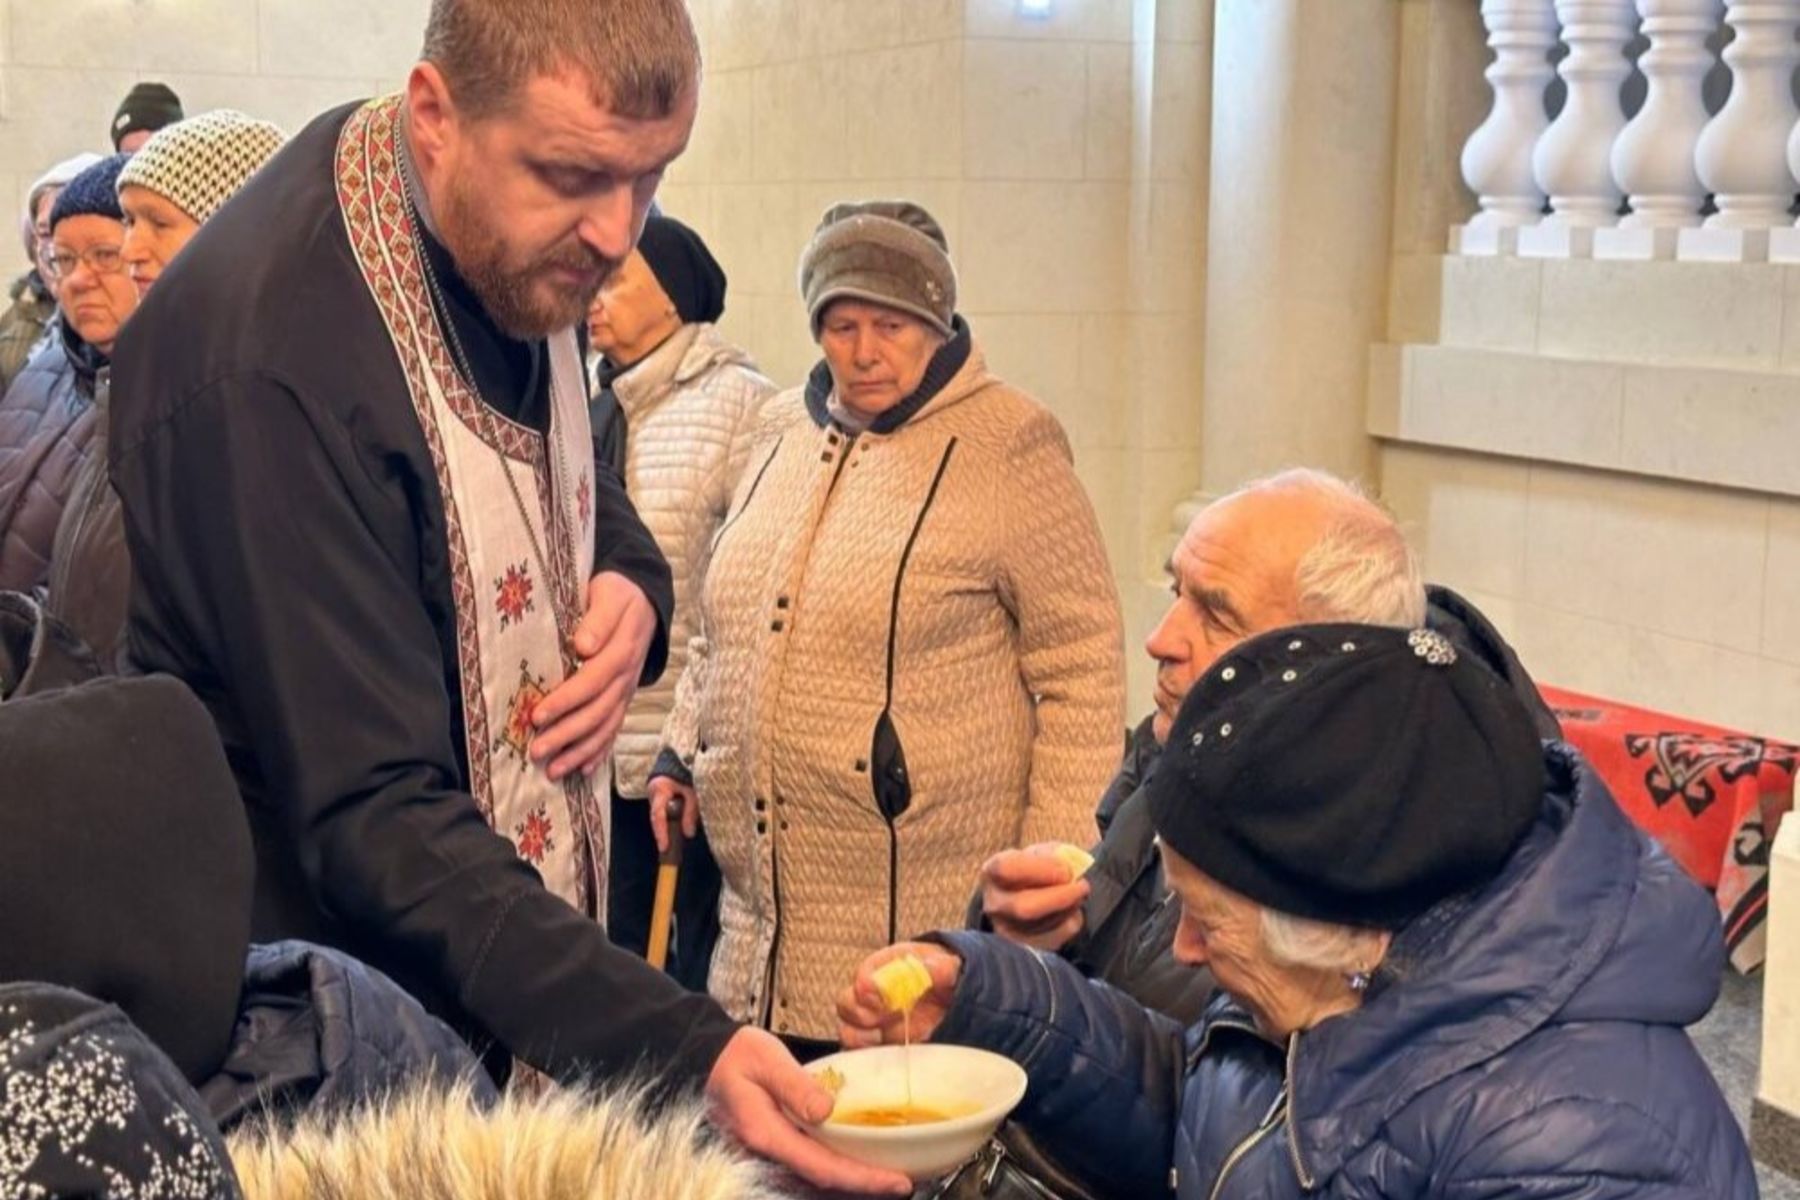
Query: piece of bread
1075, 858
901, 982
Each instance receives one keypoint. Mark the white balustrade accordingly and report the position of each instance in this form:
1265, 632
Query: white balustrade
1662, 164
1653, 159
1572, 160
1784, 244
1742, 153
1496, 160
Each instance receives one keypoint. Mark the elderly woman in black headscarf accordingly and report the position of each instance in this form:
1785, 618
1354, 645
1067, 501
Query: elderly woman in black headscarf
1450, 967
675, 415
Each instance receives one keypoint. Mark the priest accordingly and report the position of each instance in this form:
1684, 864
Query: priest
368, 528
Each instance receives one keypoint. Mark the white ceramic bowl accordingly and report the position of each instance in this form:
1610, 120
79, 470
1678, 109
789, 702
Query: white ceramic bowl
979, 1087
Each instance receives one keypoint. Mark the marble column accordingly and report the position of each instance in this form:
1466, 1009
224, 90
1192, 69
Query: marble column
1299, 240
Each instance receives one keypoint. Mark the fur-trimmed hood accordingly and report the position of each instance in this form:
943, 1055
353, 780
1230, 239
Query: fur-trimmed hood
441, 1145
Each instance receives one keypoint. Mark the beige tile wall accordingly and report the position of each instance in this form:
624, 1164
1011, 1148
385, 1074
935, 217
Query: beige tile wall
1671, 595
1067, 159
65, 66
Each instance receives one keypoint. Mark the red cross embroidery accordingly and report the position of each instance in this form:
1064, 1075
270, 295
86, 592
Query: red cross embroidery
512, 594
534, 836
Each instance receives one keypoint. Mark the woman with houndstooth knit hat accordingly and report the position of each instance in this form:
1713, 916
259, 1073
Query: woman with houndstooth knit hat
166, 191
182, 176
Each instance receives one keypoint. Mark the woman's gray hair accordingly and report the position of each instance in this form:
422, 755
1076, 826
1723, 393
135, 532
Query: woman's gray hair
1361, 570
1319, 945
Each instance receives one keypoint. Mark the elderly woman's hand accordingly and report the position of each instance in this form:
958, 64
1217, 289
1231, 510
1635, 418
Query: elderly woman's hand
866, 1019
664, 794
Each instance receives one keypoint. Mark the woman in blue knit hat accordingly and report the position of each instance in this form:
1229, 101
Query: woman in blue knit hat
48, 417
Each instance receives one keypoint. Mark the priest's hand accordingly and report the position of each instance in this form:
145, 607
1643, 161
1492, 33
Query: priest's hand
759, 1095
578, 721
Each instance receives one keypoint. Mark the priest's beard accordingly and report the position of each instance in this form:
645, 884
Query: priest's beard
527, 301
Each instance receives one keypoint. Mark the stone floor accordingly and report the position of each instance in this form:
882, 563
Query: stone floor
1731, 1040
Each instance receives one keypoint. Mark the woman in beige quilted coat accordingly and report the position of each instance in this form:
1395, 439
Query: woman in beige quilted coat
912, 644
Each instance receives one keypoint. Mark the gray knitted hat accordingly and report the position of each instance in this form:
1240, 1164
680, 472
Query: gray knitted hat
888, 252
200, 163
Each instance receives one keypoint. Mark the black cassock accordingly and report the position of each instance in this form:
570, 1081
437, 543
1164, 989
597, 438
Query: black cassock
291, 564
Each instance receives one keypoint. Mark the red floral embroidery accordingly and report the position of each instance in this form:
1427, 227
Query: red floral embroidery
512, 594
517, 734
584, 499
534, 836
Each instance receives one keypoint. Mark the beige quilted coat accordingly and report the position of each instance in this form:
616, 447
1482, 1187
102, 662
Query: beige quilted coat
691, 415
967, 524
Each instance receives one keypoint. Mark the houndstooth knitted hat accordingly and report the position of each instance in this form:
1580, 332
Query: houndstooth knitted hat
199, 163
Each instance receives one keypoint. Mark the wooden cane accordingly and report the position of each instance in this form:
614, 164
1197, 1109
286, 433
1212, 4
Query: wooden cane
668, 871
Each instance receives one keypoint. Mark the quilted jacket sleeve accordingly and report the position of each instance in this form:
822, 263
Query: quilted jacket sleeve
1056, 581
742, 392
681, 732
747, 393
1085, 1048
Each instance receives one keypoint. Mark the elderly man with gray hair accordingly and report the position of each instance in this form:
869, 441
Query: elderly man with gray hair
1298, 547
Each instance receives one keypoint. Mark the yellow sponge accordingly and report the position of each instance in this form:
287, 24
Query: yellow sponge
1075, 858
901, 982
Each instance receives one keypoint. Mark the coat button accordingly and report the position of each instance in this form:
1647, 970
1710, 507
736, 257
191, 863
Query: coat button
761, 804
862, 764
762, 827
775, 626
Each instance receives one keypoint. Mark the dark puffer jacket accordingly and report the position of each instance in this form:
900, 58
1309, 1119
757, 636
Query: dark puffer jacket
1523, 1041
90, 566
47, 423
320, 1033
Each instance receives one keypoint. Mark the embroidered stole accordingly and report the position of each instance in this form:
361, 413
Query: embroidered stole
509, 651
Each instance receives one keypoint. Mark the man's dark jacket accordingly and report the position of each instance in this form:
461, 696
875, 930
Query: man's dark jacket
47, 426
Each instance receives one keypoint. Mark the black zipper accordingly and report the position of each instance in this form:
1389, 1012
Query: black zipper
888, 707
768, 1005
893, 883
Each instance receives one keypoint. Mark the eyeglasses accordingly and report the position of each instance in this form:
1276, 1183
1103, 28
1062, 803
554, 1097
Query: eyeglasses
101, 260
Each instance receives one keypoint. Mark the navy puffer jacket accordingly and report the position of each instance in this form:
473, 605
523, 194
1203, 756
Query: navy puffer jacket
1527, 1041
47, 424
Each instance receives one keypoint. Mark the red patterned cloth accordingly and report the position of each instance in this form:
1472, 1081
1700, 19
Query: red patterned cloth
1712, 797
